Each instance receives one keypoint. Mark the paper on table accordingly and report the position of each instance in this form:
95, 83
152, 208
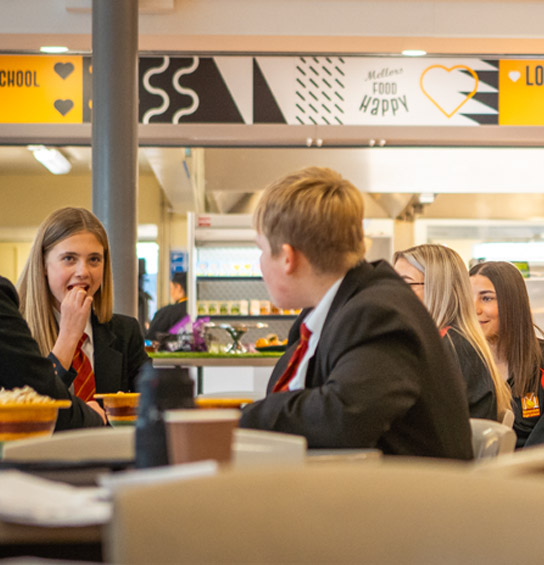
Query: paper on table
154, 475
26, 499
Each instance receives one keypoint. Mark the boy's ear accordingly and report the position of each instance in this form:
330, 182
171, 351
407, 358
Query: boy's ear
290, 258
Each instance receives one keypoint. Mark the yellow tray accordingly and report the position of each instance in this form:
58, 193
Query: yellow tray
117, 395
221, 402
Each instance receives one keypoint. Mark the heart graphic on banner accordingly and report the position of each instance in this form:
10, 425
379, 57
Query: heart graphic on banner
514, 76
441, 102
63, 106
64, 70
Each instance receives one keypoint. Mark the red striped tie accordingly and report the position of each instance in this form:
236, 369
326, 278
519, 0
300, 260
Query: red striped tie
291, 370
84, 384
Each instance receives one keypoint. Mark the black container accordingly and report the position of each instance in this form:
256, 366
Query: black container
160, 388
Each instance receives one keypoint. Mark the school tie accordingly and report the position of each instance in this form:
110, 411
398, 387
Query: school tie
291, 370
84, 384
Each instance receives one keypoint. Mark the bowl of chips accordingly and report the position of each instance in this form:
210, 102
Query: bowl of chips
25, 413
121, 407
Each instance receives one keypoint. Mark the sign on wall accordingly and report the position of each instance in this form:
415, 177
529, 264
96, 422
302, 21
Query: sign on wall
521, 84
319, 90
289, 90
42, 89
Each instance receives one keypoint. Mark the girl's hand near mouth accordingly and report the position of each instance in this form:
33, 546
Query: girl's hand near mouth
75, 310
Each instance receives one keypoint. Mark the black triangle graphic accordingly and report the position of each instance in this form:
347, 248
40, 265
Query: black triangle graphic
490, 99
265, 107
492, 62
483, 119
488, 77
216, 103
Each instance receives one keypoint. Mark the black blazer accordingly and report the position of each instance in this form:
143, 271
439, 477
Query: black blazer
119, 353
480, 389
21, 363
380, 377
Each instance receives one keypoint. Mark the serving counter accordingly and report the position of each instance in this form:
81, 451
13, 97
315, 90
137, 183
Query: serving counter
201, 360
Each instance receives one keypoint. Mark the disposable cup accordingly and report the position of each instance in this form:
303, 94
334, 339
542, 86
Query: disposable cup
195, 435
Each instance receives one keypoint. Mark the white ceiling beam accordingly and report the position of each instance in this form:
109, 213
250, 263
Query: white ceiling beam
144, 7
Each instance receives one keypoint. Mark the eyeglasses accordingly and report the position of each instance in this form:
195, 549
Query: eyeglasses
415, 283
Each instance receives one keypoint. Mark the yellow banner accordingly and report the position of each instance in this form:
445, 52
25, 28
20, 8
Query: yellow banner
41, 89
521, 93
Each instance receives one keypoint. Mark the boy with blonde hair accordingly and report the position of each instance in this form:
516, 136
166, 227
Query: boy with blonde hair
365, 366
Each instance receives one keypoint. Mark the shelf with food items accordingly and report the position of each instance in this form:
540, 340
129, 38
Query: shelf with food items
241, 308
246, 317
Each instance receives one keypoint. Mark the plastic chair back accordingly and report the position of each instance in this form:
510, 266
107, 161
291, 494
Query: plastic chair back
257, 448
490, 438
90, 444
409, 512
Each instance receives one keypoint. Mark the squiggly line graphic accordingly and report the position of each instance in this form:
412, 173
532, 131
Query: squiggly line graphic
187, 91
159, 91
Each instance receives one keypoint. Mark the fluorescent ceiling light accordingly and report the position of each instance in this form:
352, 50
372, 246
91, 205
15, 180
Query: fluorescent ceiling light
426, 198
51, 158
414, 52
53, 49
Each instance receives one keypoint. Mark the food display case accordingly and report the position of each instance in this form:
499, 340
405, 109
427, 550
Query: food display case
226, 283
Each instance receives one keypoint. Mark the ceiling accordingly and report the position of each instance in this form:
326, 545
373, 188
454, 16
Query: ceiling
233, 176
18, 160
292, 26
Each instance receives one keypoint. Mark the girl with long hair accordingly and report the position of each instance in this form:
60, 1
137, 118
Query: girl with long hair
504, 312
66, 292
440, 278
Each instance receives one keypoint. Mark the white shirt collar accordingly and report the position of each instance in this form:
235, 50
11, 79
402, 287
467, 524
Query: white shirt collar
316, 318
314, 321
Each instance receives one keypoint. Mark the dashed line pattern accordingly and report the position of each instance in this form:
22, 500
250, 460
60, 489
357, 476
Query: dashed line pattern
320, 91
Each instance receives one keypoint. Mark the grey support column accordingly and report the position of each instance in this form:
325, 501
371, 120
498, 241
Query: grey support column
115, 140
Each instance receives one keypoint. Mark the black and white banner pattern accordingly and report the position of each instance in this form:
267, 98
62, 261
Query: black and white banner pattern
318, 90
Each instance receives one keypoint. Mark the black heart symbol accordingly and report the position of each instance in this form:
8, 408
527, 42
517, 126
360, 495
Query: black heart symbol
63, 106
64, 70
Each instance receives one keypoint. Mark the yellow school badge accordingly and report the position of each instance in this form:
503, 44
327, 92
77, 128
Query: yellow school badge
530, 406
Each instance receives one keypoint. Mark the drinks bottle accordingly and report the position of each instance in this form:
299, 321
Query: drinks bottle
160, 388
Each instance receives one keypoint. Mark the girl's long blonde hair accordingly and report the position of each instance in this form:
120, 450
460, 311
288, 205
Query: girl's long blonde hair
448, 297
36, 298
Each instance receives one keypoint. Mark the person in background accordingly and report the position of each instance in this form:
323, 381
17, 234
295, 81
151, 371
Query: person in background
22, 364
365, 366
439, 278
504, 313
169, 315
66, 291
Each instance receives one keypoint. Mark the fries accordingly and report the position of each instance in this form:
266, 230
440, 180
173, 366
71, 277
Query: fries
24, 395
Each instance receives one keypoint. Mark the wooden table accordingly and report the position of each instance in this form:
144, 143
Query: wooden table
201, 360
